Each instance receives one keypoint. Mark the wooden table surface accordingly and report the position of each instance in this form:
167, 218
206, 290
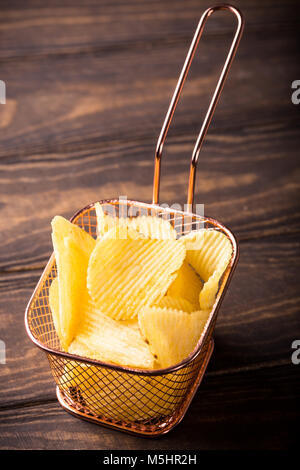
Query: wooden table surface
88, 84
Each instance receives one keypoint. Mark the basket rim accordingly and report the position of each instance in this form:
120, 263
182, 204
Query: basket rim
212, 316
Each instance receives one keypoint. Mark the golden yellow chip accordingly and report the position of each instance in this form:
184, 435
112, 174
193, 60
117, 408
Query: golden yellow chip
54, 305
134, 324
207, 251
72, 287
62, 228
187, 284
127, 274
172, 334
152, 227
72, 248
176, 303
209, 292
108, 340
149, 226
104, 221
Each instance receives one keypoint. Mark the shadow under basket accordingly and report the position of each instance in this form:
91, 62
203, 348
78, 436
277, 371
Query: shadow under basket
144, 402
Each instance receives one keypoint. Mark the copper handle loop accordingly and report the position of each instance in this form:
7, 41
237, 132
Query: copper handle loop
211, 108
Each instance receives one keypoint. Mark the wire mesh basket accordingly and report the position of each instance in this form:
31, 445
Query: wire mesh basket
145, 402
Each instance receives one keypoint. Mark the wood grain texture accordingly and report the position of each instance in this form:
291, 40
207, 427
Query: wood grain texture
241, 411
88, 85
71, 100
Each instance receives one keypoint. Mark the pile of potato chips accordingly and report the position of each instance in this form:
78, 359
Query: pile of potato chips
137, 296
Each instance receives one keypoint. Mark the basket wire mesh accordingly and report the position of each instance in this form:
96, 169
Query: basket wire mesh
145, 402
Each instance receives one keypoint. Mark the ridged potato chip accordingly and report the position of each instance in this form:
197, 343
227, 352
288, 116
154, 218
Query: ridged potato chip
172, 334
187, 284
153, 227
209, 292
108, 340
176, 303
209, 252
150, 226
104, 221
72, 248
126, 274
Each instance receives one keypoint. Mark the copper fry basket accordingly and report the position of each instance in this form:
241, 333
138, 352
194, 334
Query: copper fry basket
144, 402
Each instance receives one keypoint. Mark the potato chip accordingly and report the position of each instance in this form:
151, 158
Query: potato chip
108, 340
54, 305
153, 227
72, 287
72, 248
62, 228
172, 334
104, 221
209, 252
187, 284
133, 324
176, 303
126, 274
121, 231
150, 226
209, 292
113, 353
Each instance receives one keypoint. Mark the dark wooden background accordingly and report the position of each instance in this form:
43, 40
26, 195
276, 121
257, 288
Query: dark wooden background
88, 85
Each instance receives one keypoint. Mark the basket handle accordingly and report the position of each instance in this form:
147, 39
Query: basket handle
212, 105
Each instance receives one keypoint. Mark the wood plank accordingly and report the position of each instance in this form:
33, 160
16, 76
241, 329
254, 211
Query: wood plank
243, 411
258, 321
63, 101
72, 27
